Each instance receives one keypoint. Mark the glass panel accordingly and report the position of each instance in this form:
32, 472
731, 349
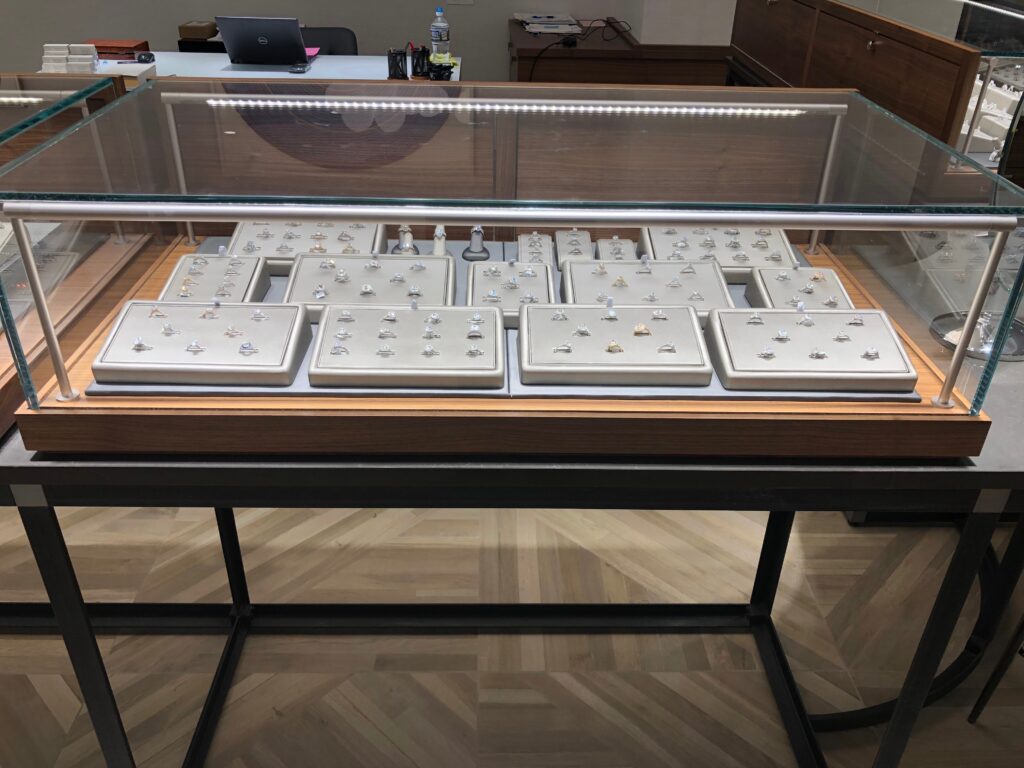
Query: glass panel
507, 144
34, 108
994, 26
546, 146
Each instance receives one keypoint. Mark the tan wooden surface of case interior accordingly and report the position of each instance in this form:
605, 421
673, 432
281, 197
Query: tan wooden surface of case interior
566, 426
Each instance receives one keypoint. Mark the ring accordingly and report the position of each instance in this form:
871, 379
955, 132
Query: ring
139, 345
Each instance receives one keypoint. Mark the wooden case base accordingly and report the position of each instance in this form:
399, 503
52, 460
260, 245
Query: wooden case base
499, 426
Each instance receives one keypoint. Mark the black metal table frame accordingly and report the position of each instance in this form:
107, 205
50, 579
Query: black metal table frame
36, 484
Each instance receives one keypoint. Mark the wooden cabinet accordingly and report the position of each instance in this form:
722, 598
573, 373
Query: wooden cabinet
923, 78
777, 35
908, 80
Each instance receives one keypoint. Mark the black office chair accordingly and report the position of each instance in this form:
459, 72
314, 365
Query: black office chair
332, 41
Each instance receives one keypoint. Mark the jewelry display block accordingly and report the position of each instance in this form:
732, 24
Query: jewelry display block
283, 241
397, 346
737, 249
616, 249
382, 280
827, 350
789, 288
624, 345
170, 342
203, 278
536, 248
645, 282
573, 244
508, 286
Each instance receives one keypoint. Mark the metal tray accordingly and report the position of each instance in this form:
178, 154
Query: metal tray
826, 350
737, 249
627, 345
281, 242
152, 342
536, 248
200, 279
397, 346
318, 280
573, 244
789, 288
645, 282
508, 286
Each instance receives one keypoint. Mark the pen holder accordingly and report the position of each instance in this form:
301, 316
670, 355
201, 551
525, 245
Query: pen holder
421, 62
397, 64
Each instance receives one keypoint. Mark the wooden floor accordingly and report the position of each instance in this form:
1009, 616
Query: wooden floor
850, 609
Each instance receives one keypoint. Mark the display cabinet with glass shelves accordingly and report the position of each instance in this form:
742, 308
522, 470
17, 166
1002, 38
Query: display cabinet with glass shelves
529, 270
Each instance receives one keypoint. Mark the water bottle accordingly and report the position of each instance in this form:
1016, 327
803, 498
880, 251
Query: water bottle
440, 40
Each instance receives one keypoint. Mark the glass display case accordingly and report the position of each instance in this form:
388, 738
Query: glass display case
504, 269
997, 29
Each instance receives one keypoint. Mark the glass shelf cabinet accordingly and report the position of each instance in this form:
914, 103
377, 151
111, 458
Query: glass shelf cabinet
506, 269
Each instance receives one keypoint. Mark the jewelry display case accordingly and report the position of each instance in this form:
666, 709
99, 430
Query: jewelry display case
458, 194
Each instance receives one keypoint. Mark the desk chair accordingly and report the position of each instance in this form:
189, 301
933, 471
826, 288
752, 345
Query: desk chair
332, 41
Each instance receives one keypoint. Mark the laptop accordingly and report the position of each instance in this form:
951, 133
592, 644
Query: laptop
266, 41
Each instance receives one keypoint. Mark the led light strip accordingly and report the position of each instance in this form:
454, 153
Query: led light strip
475, 106
18, 101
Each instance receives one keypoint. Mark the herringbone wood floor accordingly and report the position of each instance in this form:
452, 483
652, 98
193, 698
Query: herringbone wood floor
850, 609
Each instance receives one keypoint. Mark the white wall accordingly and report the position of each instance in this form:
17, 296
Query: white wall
479, 30
687, 22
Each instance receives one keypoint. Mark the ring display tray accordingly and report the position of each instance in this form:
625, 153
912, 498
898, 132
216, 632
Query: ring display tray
536, 248
403, 347
737, 249
283, 241
645, 282
201, 278
625, 345
508, 286
380, 281
573, 244
616, 249
183, 343
789, 288
827, 350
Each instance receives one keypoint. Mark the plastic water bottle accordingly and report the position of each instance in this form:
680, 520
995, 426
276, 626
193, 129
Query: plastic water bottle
440, 38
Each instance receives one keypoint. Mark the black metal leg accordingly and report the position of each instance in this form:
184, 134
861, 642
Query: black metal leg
1012, 649
233, 558
769, 566
51, 555
202, 737
787, 696
1011, 567
956, 585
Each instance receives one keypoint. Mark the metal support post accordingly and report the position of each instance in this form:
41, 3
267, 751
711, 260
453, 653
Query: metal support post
60, 370
179, 166
945, 397
825, 188
965, 141
772, 559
